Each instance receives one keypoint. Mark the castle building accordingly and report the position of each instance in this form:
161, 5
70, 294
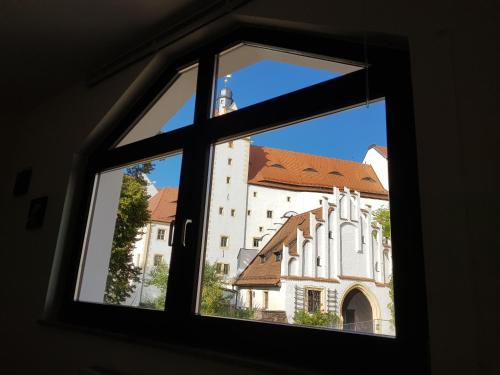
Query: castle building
290, 231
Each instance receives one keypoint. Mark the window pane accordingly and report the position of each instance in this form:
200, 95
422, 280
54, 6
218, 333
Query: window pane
173, 109
249, 74
127, 248
318, 240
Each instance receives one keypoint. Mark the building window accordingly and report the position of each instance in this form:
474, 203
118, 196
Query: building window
222, 268
254, 194
160, 234
321, 201
229, 161
278, 256
330, 234
255, 242
249, 212
228, 180
224, 241
157, 259
266, 299
233, 212
269, 214
261, 229
288, 199
318, 261
313, 300
221, 210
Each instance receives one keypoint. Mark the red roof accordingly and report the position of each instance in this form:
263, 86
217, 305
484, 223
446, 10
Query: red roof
268, 272
381, 150
163, 205
305, 172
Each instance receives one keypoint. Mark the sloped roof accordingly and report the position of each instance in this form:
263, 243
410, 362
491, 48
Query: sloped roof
305, 172
163, 205
269, 271
380, 149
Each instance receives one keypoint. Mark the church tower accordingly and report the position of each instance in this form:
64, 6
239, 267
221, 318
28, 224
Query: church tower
225, 102
228, 197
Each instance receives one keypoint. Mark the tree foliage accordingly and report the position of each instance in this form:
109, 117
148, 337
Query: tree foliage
158, 277
383, 217
317, 318
131, 217
390, 305
214, 301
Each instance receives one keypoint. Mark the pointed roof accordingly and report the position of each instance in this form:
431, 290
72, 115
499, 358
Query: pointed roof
305, 172
163, 205
264, 269
382, 150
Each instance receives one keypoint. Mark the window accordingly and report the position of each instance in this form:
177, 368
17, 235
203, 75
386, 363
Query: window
249, 212
222, 268
233, 212
343, 85
255, 242
313, 300
318, 261
157, 259
161, 234
221, 210
223, 241
321, 201
229, 161
288, 199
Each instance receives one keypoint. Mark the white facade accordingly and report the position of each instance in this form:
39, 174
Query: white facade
343, 251
379, 165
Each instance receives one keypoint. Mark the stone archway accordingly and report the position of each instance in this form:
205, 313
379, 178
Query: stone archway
357, 312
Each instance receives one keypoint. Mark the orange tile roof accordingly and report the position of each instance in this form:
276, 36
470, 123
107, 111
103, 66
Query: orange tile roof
381, 150
269, 271
305, 172
163, 205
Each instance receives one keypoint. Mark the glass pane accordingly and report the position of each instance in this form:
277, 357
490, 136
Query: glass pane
127, 247
173, 109
298, 228
249, 74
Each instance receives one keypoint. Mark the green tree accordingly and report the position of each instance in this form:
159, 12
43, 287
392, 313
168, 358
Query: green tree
317, 318
383, 217
158, 277
390, 305
131, 217
213, 299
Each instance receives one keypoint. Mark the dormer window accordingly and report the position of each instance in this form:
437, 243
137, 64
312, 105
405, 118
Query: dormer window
369, 179
335, 173
309, 170
278, 166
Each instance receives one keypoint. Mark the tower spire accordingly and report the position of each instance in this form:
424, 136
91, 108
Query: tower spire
225, 102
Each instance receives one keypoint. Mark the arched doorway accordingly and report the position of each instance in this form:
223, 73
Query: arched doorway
357, 312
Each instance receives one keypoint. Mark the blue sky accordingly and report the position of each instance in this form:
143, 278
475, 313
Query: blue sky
344, 135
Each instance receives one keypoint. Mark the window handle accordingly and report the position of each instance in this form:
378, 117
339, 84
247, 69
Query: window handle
171, 233
186, 223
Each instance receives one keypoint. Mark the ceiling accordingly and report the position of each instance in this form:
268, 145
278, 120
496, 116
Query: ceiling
47, 45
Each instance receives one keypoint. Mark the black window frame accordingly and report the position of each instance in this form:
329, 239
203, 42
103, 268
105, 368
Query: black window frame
387, 75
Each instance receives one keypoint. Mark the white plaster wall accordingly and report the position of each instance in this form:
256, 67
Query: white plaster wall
229, 196
379, 165
99, 237
276, 298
